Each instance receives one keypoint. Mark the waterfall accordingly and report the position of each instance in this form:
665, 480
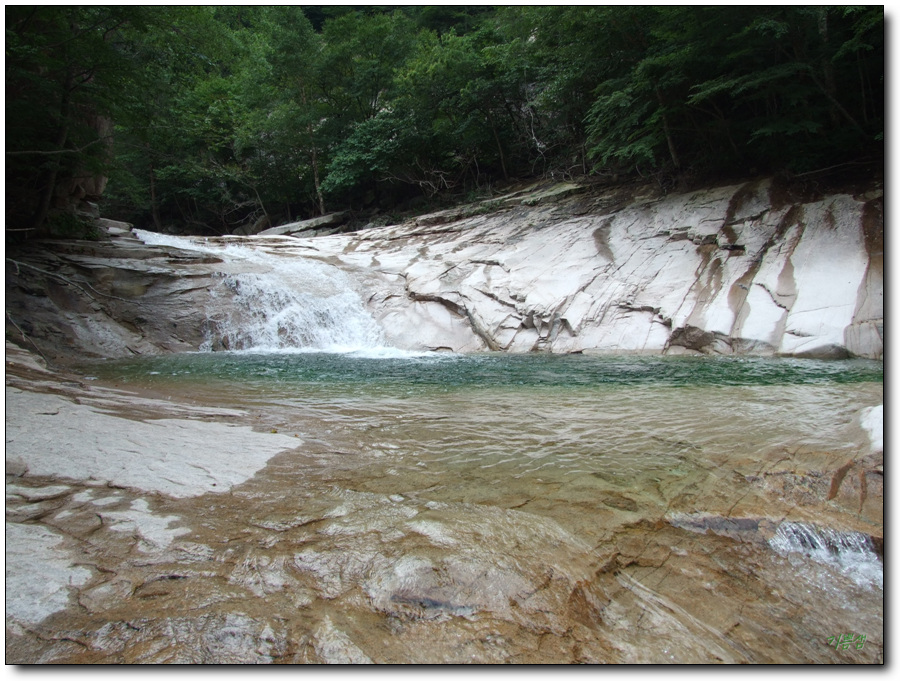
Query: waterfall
273, 302
853, 553
300, 304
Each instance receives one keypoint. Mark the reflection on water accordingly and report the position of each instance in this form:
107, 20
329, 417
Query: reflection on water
496, 508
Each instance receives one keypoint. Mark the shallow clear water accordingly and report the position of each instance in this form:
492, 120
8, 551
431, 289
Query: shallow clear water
582, 412
382, 369
573, 414
475, 504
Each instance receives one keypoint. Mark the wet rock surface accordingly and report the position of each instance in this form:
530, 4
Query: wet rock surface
111, 298
364, 544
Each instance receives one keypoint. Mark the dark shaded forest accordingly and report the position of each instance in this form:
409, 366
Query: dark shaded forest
209, 119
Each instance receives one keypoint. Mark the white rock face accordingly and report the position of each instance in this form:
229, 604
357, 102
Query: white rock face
726, 270
31, 549
50, 435
872, 421
738, 269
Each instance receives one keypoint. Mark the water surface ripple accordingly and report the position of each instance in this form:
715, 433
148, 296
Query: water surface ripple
538, 508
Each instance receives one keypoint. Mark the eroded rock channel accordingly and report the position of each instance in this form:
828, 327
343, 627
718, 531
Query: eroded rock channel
403, 505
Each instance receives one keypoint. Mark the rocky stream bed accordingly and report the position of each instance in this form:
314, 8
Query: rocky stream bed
153, 516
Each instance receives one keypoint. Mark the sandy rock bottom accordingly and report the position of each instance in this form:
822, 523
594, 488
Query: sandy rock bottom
377, 536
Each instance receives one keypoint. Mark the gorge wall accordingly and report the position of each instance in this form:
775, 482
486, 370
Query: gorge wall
753, 268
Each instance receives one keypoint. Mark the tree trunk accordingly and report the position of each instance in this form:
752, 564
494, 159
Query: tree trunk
261, 205
862, 88
499, 146
154, 206
669, 141
49, 176
315, 168
314, 157
837, 105
827, 67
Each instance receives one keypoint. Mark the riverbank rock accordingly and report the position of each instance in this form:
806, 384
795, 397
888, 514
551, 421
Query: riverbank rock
741, 269
110, 298
728, 270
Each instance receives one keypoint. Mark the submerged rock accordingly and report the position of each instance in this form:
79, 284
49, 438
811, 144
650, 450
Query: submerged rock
492, 526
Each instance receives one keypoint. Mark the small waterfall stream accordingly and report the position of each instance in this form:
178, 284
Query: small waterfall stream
281, 303
852, 553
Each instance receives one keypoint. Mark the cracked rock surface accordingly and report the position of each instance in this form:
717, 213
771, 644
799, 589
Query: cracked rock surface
200, 527
732, 270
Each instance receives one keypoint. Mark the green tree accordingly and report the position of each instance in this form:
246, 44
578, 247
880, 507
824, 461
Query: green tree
231, 116
715, 88
565, 53
362, 53
182, 142
64, 73
798, 84
454, 119
291, 114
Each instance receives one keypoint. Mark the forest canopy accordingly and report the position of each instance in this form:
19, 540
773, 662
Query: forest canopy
209, 119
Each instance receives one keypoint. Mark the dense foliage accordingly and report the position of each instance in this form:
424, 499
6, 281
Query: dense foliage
213, 118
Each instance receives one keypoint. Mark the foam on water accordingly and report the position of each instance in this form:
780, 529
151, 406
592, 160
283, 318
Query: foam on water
388, 352
850, 552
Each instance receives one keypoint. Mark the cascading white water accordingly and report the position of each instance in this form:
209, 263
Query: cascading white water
281, 303
298, 305
851, 552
